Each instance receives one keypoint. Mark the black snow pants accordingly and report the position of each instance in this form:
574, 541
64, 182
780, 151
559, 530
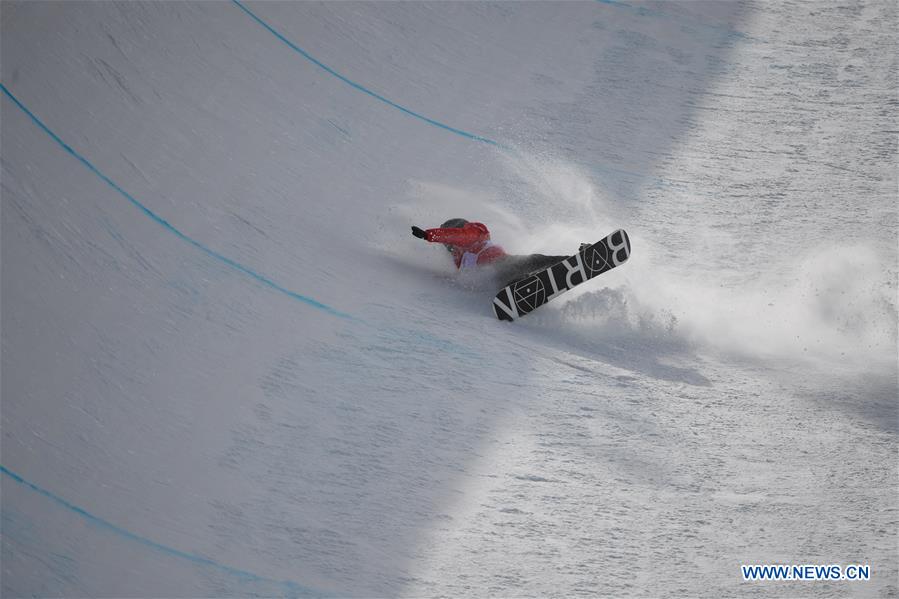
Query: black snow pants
513, 268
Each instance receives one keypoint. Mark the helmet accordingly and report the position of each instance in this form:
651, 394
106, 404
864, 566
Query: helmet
453, 223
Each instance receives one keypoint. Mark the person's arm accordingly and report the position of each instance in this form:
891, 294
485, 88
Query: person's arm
469, 234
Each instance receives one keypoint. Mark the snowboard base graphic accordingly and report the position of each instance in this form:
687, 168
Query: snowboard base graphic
526, 295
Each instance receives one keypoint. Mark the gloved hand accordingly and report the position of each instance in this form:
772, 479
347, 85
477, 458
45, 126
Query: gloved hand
420, 233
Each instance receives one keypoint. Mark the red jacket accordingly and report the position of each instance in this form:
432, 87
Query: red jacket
470, 244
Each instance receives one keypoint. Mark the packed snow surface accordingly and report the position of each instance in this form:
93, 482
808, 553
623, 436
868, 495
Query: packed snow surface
229, 369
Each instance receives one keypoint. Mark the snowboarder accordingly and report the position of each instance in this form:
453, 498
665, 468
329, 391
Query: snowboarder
470, 245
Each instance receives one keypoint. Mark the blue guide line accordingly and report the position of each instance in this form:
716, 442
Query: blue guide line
359, 86
293, 588
168, 226
412, 113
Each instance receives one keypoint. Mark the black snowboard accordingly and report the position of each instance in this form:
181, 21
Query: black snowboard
526, 295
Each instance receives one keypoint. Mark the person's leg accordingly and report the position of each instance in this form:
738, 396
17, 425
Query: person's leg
537, 262
513, 268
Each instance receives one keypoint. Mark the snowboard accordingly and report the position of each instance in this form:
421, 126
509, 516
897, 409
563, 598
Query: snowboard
529, 293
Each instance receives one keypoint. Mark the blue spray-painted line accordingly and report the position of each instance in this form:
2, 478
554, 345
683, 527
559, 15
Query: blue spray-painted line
652, 12
618, 3
171, 228
293, 588
359, 86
